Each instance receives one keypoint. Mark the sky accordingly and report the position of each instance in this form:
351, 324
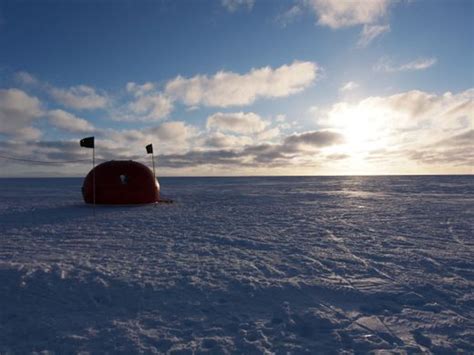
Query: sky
238, 87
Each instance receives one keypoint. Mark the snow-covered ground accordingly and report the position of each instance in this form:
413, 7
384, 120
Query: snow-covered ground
245, 265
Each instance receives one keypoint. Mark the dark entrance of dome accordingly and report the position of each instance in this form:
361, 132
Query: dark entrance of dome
124, 179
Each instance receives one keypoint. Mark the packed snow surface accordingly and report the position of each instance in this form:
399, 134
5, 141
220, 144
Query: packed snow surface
240, 265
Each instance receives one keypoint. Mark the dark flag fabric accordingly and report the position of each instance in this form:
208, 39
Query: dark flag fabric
149, 149
87, 142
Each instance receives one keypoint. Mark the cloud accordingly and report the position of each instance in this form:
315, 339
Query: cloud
168, 138
146, 104
172, 136
257, 155
68, 122
48, 151
237, 122
226, 89
412, 125
386, 65
244, 129
284, 154
290, 15
26, 78
465, 138
456, 149
452, 150
404, 111
150, 107
371, 32
79, 97
349, 86
269, 134
221, 140
237, 129
234, 5
139, 90
175, 131
337, 156
314, 139
337, 14
220, 150
200, 158
18, 111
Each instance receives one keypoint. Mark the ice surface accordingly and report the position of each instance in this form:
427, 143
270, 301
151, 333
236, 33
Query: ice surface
246, 265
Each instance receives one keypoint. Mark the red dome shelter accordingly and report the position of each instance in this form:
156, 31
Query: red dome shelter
120, 182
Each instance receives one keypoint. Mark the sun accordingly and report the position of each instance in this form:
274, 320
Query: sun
364, 129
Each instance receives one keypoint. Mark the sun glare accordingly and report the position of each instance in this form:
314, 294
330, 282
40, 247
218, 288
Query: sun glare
364, 128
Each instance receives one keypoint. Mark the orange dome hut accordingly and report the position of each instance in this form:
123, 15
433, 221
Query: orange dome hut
121, 182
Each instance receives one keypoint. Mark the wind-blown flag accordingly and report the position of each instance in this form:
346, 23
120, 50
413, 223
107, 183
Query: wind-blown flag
149, 149
87, 142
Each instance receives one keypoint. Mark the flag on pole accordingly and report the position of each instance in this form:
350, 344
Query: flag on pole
149, 149
87, 142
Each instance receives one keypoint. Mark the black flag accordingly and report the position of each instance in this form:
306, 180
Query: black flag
149, 149
87, 142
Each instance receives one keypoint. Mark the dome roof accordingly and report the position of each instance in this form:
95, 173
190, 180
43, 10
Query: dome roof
121, 182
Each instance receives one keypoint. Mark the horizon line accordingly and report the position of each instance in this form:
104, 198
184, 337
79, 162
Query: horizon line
245, 176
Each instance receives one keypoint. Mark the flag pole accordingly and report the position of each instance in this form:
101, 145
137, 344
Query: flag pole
93, 177
89, 142
149, 150
153, 163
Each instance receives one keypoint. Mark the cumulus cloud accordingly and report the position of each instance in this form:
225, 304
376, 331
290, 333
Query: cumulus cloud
139, 89
18, 112
349, 86
234, 5
68, 122
175, 131
222, 140
147, 103
270, 133
231, 89
386, 65
79, 97
337, 14
238, 122
151, 107
238, 129
172, 136
371, 32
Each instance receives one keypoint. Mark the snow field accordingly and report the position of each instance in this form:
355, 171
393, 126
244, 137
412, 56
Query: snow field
240, 265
